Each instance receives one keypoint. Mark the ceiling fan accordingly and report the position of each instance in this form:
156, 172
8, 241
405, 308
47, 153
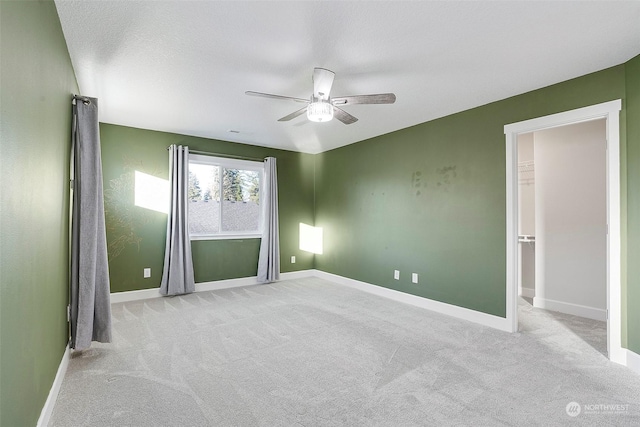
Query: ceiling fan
321, 107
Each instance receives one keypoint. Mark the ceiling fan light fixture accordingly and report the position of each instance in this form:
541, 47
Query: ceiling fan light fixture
319, 111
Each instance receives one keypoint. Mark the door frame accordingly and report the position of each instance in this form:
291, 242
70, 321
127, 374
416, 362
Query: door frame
611, 112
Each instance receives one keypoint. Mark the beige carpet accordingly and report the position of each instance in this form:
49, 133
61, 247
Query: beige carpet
312, 353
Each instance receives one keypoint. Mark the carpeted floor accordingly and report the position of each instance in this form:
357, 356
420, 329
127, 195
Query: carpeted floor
312, 353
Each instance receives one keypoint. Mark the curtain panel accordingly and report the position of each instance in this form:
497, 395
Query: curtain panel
177, 274
269, 259
90, 301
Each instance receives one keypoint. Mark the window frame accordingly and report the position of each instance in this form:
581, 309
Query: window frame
227, 163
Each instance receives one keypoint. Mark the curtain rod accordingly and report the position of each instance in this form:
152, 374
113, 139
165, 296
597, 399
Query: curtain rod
84, 99
231, 156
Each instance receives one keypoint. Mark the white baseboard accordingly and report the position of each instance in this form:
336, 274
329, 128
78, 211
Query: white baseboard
127, 296
247, 281
50, 403
633, 361
226, 284
568, 308
437, 306
297, 274
526, 292
134, 295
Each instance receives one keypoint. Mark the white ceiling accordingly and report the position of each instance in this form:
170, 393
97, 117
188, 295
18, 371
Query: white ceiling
183, 66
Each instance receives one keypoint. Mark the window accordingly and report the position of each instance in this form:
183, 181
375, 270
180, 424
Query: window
224, 198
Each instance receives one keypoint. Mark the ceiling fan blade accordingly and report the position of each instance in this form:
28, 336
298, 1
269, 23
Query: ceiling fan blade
322, 82
293, 115
268, 95
381, 98
343, 116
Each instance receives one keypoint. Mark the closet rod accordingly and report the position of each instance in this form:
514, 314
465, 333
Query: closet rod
229, 156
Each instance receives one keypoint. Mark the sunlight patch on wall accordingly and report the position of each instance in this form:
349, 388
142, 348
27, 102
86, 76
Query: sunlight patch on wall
310, 238
151, 192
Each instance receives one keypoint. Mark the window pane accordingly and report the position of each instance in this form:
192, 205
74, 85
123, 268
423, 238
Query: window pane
224, 197
204, 199
241, 200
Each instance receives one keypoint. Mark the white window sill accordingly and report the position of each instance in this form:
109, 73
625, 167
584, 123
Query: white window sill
226, 236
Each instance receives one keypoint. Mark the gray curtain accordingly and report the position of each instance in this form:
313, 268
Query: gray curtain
269, 260
177, 275
90, 302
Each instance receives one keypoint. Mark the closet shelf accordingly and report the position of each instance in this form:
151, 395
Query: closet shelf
526, 166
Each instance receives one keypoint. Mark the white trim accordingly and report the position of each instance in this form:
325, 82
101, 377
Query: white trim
526, 292
611, 112
513, 260
247, 281
614, 238
226, 284
633, 360
226, 162
300, 274
437, 306
223, 236
585, 114
127, 296
50, 403
568, 308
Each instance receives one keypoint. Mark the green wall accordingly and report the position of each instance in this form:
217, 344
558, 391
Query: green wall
36, 85
136, 236
633, 203
431, 200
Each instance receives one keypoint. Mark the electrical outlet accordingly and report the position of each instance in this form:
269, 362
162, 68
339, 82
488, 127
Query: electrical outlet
414, 277
396, 274
293, 259
147, 273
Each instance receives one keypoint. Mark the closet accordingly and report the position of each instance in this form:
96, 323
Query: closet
562, 222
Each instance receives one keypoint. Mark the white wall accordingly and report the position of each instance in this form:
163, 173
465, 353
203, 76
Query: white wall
570, 219
526, 214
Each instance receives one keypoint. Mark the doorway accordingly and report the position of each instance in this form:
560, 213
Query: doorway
562, 229
608, 111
